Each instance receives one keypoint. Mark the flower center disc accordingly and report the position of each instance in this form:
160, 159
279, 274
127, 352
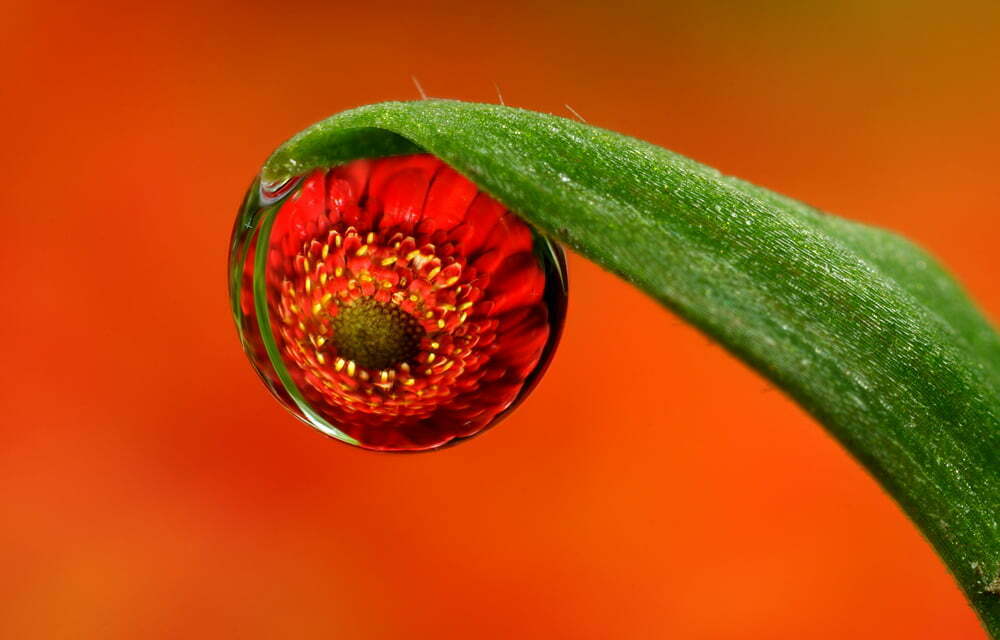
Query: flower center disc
376, 335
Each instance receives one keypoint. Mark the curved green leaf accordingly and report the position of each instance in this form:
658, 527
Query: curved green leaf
861, 327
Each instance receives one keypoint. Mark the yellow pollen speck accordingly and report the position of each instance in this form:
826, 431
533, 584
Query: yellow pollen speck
450, 281
326, 251
386, 284
405, 367
414, 297
338, 241
413, 254
371, 237
309, 284
322, 278
305, 264
387, 261
363, 375
338, 272
433, 272
383, 376
447, 366
429, 314
326, 297
366, 277
302, 325
320, 358
409, 381
441, 323
317, 308
430, 357
462, 317
339, 364
294, 308
361, 251
351, 368
465, 305
447, 307
320, 341
435, 345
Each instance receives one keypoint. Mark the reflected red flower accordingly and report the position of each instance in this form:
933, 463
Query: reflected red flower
407, 307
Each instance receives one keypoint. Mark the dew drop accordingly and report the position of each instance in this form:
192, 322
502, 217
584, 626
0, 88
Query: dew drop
448, 306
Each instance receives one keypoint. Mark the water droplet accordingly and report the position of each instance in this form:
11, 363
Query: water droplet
391, 304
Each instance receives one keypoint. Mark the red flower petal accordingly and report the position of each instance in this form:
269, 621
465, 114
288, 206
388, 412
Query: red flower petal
518, 281
449, 198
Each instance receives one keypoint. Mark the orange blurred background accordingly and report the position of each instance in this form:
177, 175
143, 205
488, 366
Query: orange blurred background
652, 486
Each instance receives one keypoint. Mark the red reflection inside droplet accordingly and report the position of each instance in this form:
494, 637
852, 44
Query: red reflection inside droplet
405, 308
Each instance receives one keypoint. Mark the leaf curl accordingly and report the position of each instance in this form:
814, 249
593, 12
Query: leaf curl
865, 330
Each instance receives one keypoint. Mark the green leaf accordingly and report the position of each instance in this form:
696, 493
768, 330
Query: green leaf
862, 328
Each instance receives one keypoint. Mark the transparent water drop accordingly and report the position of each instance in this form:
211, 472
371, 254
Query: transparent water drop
391, 304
